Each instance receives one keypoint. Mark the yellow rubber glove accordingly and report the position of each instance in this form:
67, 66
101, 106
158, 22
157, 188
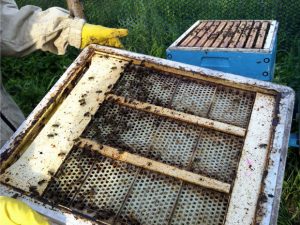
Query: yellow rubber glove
96, 34
14, 212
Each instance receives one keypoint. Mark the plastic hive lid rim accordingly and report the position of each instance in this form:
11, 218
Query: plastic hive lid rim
267, 48
286, 99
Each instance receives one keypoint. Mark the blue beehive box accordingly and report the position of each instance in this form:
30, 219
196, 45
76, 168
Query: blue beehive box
243, 47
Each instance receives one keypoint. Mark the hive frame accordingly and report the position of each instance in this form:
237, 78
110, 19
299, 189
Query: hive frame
269, 43
266, 210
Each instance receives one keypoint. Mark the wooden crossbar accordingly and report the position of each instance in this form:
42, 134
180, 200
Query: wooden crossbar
155, 166
184, 117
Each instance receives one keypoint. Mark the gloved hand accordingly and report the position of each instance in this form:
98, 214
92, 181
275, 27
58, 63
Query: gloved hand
14, 212
96, 34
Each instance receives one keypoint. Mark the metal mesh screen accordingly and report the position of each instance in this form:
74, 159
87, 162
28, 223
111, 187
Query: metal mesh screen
232, 106
158, 138
228, 105
104, 189
146, 85
217, 155
193, 98
69, 178
214, 154
195, 204
150, 200
113, 192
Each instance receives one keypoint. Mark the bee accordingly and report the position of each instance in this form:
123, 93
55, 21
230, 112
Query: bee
82, 101
87, 114
62, 154
50, 135
41, 182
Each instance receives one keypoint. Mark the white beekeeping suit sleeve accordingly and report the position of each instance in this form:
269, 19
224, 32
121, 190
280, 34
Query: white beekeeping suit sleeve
23, 31
29, 28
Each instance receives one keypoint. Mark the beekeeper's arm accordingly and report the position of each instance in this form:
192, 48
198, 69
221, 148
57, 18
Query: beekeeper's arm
14, 212
29, 28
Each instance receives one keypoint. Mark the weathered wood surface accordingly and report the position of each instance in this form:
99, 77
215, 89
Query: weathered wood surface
249, 34
253, 34
262, 35
155, 166
181, 116
214, 36
248, 182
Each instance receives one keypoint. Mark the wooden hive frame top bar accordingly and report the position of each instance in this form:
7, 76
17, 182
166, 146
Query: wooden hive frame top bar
253, 35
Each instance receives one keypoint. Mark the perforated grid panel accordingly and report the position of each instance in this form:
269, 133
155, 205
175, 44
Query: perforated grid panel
105, 188
143, 133
104, 123
123, 128
146, 85
173, 143
70, 176
200, 206
203, 99
91, 184
150, 200
104, 183
217, 155
232, 106
193, 98
99, 189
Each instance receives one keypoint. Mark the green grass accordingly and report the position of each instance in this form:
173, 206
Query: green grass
28, 79
154, 25
288, 73
288, 65
289, 213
